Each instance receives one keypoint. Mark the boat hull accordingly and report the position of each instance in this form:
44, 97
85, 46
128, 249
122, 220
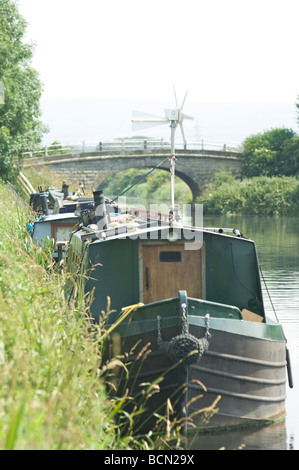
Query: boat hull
243, 371
247, 373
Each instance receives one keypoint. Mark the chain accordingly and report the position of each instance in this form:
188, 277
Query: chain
159, 339
185, 327
207, 333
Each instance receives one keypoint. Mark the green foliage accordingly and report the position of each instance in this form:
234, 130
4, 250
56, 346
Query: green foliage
290, 155
50, 393
118, 182
257, 195
154, 187
265, 153
44, 176
7, 169
20, 127
156, 180
56, 148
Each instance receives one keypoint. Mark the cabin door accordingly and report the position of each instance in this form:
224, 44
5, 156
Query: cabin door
167, 268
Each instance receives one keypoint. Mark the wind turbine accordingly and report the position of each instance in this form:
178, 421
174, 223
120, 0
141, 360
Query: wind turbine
175, 117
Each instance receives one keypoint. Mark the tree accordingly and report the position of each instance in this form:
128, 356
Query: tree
297, 106
290, 154
20, 127
265, 155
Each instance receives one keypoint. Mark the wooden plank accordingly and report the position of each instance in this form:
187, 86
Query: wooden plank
61, 231
168, 268
251, 316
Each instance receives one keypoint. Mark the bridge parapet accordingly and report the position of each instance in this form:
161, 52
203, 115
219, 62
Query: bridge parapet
130, 145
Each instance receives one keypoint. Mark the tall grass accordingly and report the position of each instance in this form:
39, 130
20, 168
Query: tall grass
45, 177
50, 393
53, 381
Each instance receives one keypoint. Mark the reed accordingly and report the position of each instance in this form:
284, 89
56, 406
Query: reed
56, 392
50, 393
45, 177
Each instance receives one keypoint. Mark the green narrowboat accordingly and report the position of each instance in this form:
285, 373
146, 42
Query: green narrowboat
193, 297
188, 300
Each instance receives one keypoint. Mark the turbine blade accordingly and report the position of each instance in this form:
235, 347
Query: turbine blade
176, 100
185, 116
143, 121
138, 115
138, 125
183, 133
183, 101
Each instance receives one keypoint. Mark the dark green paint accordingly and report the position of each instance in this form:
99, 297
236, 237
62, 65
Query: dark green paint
222, 317
231, 267
232, 275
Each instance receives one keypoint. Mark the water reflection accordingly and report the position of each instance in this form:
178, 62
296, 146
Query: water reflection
268, 438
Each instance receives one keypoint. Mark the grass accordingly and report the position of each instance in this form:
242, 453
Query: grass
53, 381
44, 176
50, 393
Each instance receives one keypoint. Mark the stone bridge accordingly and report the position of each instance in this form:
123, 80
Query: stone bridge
195, 167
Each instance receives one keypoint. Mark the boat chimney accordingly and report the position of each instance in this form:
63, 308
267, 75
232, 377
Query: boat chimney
44, 201
100, 210
65, 189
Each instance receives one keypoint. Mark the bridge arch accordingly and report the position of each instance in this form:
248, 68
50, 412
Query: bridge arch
188, 181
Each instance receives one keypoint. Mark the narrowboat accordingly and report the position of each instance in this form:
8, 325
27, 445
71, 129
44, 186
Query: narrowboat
186, 312
193, 297
57, 217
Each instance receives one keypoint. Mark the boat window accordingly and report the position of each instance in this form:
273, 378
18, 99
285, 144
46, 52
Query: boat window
170, 256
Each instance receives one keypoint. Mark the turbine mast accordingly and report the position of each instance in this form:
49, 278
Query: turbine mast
173, 116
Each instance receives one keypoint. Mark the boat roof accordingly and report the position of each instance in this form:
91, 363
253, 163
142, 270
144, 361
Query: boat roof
155, 232
57, 217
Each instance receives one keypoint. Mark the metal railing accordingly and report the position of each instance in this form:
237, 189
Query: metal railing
47, 150
130, 145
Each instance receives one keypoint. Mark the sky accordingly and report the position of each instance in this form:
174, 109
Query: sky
232, 51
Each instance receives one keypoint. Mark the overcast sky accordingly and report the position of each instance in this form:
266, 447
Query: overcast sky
221, 50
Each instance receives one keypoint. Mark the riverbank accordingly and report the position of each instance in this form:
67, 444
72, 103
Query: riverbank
253, 196
50, 393
277, 195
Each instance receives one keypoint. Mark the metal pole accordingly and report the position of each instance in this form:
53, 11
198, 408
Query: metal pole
172, 167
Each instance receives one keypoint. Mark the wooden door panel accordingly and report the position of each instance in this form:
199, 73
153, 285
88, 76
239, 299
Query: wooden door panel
168, 268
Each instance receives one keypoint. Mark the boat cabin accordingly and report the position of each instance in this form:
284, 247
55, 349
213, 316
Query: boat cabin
154, 263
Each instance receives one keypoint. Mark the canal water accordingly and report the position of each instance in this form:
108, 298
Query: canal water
277, 242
